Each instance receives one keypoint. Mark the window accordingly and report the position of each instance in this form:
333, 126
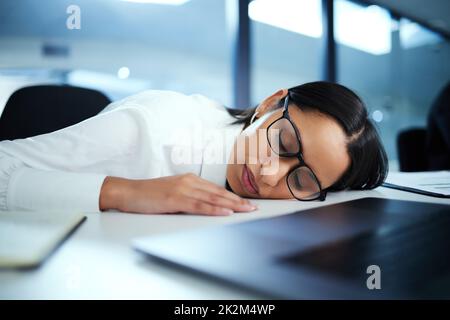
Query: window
300, 16
414, 35
123, 46
364, 28
286, 44
399, 76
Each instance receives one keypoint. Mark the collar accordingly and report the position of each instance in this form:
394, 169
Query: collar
216, 153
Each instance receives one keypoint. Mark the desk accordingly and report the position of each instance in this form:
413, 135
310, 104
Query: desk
97, 261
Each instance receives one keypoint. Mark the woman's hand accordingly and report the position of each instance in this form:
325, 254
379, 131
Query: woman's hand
181, 193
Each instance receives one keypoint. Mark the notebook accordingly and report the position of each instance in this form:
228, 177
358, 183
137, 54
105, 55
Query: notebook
27, 238
430, 183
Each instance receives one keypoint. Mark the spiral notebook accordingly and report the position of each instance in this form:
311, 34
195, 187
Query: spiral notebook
430, 183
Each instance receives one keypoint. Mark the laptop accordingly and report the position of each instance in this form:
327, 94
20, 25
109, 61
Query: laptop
370, 248
27, 238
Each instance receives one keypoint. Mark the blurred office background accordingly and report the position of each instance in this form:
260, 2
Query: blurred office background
394, 53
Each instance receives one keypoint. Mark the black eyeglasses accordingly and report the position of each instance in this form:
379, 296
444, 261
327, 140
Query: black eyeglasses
284, 140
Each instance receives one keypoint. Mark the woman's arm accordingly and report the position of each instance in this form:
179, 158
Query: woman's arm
180, 193
65, 169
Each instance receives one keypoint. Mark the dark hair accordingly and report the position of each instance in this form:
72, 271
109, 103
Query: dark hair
369, 164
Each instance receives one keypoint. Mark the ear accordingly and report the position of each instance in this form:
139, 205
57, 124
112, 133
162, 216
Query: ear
270, 103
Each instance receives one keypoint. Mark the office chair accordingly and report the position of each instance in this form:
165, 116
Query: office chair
411, 147
438, 132
423, 149
42, 109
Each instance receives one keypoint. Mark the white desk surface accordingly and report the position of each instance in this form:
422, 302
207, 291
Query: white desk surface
97, 261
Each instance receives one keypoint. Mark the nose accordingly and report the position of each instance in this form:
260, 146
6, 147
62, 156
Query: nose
275, 168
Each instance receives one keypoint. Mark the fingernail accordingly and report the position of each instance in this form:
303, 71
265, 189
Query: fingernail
226, 211
249, 207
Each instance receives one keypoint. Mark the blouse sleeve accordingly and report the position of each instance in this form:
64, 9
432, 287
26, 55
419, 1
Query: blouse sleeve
62, 170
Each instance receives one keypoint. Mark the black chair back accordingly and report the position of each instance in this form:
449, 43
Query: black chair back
35, 110
411, 147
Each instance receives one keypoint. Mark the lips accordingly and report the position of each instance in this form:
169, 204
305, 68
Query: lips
248, 180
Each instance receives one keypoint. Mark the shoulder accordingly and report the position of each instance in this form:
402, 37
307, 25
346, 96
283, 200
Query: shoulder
163, 104
147, 98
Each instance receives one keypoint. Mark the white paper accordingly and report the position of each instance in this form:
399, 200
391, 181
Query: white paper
431, 181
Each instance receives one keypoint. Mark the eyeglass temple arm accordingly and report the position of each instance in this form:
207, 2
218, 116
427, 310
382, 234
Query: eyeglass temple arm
285, 106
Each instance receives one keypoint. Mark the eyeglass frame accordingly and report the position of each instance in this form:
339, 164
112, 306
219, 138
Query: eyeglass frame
323, 193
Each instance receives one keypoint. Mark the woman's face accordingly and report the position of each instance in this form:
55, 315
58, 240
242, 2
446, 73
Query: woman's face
323, 144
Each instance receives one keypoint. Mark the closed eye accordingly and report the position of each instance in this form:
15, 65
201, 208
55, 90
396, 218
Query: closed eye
297, 181
282, 148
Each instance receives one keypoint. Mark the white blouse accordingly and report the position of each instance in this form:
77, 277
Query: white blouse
148, 135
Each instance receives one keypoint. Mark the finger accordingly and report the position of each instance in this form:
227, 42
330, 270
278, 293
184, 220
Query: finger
220, 201
212, 187
196, 206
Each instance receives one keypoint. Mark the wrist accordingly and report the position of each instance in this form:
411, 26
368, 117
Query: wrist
113, 193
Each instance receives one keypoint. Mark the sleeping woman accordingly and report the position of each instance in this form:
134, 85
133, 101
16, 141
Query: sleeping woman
166, 152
